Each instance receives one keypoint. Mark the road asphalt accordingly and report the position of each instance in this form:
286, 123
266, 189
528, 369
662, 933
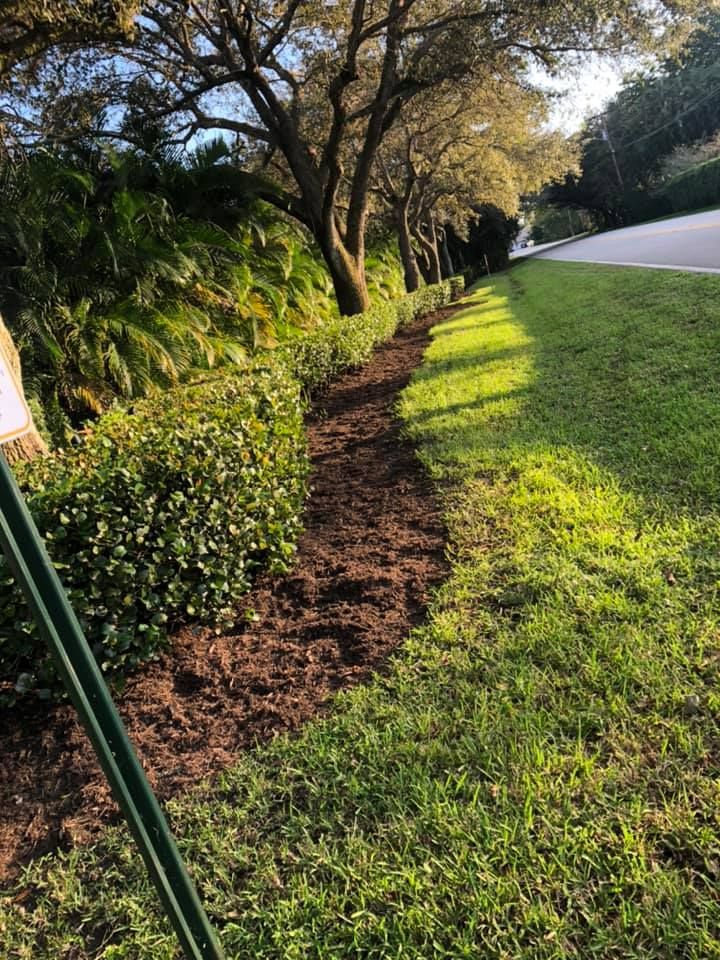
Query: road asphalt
690, 242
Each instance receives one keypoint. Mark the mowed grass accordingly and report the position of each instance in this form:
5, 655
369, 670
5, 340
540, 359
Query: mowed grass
537, 773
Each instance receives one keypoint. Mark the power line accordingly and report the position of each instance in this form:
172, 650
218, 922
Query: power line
669, 123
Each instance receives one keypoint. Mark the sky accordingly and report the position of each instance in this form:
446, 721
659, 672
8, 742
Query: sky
585, 91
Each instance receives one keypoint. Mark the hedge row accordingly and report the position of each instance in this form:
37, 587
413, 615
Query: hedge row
317, 358
162, 514
165, 511
697, 187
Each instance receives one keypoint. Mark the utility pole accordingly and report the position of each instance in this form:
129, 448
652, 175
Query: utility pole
606, 138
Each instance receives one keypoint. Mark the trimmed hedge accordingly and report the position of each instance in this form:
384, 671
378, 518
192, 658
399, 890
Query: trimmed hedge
162, 514
317, 358
697, 187
165, 511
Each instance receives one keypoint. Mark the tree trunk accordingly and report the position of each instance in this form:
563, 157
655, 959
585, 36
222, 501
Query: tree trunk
407, 254
448, 270
423, 263
31, 444
348, 276
430, 249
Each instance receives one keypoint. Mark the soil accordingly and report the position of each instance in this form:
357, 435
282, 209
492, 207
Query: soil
372, 551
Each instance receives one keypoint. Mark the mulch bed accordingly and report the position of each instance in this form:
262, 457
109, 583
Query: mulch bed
372, 551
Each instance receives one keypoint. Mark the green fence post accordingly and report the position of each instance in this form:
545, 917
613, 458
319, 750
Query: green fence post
29, 561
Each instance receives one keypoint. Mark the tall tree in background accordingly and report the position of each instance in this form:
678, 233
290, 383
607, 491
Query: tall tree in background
304, 79
677, 102
453, 150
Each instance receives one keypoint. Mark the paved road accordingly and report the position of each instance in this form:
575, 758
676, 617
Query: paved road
691, 242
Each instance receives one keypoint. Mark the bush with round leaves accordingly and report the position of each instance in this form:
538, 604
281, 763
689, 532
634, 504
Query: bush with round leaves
316, 358
162, 514
166, 510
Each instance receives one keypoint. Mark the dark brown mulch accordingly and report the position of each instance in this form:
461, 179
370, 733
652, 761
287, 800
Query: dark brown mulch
372, 550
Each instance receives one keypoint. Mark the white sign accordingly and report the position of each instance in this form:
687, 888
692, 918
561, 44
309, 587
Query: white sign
15, 419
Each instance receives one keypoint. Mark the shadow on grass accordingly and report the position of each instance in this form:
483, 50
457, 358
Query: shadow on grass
454, 409
523, 781
470, 360
621, 371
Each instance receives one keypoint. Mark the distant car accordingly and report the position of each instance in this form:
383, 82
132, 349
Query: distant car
523, 244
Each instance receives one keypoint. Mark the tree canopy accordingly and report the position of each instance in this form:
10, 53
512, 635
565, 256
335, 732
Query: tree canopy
321, 85
30, 27
452, 151
674, 103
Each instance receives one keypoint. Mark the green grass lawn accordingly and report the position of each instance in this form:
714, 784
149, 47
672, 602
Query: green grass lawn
532, 778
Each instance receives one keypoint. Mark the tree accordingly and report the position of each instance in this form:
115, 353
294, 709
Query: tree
30, 27
486, 242
304, 79
457, 149
121, 272
27, 29
674, 103
552, 223
30, 444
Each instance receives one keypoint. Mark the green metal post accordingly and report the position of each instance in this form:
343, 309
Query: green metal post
28, 558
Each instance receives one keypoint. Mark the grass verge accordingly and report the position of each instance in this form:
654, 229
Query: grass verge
537, 774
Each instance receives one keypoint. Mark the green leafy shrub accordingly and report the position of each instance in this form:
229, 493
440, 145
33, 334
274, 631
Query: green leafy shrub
121, 273
315, 359
457, 286
384, 273
166, 510
162, 514
697, 187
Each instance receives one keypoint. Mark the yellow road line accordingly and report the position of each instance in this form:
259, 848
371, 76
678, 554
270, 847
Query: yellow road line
658, 233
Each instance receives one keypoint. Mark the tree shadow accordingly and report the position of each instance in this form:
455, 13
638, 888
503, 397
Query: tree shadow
470, 359
477, 404
635, 393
